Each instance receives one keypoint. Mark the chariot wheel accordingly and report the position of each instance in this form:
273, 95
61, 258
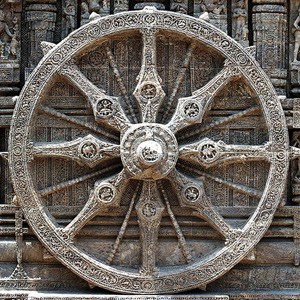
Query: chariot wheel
143, 152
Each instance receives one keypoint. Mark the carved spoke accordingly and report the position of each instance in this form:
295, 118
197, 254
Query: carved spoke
209, 153
181, 239
191, 109
107, 109
149, 92
106, 194
68, 183
234, 186
123, 228
221, 122
120, 82
191, 194
61, 116
87, 150
149, 210
179, 80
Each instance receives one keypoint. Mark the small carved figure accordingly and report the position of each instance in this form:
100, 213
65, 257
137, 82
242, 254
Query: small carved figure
192, 193
94, 6
89, 150
148, 91
5, 34
105, 5
106, 194
216, 7
179, 6
296, 32
121, 5
296, 143
84, 13
240, 16
191, 110
105, 108
149, 210
70, 12
14, 45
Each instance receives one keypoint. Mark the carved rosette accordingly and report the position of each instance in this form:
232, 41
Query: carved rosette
150, 154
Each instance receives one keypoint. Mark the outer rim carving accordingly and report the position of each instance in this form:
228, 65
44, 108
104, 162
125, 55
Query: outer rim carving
88, 268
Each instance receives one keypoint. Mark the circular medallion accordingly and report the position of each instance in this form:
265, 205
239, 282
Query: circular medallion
148, 91
105, 108
192, 193
208, 151
88, 150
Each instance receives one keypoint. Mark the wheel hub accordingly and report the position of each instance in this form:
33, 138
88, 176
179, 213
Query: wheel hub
149, 151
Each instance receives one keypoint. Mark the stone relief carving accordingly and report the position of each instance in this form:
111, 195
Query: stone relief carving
296, 169
40, 18
180, 6
121, 5
296, 32
101, 7
10, 18
216, 9
147, 157
240, 21
270, 23
69, 14
294, 47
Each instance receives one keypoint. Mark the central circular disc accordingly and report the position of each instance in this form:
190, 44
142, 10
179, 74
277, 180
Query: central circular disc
149, 151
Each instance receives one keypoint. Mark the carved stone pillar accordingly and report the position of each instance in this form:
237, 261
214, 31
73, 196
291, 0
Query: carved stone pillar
269, 30
40, 18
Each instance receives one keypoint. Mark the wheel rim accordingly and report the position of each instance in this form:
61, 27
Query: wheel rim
149, 90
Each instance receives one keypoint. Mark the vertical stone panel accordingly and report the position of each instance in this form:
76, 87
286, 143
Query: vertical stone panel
40, 21
270, 29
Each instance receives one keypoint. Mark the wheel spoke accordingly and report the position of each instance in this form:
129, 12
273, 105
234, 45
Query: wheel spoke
149, 210
209, 153
191, 194
233, 186
107, 109
123, 228
179, 80
149, 92
68, 183
190, 110
61, 116
87, 150
106, 194
221, 122
122, 87
181, 239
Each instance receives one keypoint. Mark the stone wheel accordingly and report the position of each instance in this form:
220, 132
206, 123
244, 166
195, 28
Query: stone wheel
157, 139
